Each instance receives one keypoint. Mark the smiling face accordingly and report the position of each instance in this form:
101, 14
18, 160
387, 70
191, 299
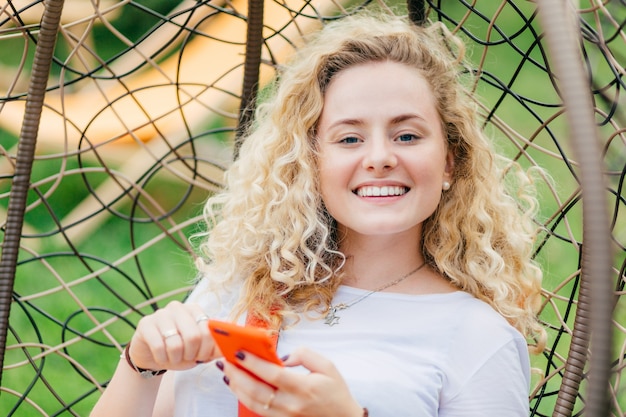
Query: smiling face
383, 156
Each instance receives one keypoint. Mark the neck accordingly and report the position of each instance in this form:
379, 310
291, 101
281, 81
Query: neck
373, 262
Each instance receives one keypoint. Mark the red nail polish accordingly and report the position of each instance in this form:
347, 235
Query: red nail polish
240, 355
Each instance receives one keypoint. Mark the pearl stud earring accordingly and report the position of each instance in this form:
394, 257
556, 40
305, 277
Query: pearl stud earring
446, 186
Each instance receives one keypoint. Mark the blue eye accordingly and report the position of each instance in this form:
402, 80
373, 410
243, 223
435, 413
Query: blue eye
407, 137
349, 139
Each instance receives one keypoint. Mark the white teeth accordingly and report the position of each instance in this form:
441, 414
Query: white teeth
372, 191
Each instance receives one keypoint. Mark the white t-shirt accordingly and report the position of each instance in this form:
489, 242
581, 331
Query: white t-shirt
444, 355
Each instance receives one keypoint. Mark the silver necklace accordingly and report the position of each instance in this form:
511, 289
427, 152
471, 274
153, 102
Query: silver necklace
332, 318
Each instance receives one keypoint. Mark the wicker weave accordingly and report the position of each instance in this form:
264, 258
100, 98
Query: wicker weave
139, 117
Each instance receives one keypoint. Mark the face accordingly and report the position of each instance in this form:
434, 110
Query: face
383, 155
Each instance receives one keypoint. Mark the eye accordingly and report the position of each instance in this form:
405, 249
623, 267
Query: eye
349, 140
407, 137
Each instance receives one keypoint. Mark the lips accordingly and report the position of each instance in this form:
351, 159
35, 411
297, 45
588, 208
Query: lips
384, 191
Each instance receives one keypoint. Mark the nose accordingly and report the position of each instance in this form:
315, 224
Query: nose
380, 156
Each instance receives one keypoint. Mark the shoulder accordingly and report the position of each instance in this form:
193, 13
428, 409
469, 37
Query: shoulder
475, 330
216, 302
475, 319
481, 338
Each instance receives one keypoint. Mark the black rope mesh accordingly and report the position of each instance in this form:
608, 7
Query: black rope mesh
138, 125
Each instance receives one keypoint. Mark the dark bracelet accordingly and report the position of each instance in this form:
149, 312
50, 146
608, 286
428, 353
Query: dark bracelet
366, 413
145, 373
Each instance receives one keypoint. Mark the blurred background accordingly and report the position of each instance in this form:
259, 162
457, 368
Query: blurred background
139, 123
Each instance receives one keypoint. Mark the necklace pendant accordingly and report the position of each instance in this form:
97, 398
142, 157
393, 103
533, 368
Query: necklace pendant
331, 317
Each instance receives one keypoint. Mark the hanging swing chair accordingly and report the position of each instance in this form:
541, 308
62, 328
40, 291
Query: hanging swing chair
118, 119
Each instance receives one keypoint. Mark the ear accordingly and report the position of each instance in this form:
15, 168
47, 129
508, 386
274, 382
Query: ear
449, 168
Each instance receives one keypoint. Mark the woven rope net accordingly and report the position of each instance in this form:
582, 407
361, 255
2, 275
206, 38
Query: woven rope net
139, 121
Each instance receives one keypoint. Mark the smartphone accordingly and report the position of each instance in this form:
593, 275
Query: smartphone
231, 337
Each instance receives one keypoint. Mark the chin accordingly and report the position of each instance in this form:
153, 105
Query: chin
385, 229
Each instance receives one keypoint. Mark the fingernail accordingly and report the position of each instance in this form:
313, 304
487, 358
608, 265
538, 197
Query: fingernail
200, 362
220, 365
284, 358
240, 355
226, 380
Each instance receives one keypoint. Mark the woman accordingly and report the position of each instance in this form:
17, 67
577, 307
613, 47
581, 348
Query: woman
368, 223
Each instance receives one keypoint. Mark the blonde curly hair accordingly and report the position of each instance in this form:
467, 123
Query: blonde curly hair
269, 229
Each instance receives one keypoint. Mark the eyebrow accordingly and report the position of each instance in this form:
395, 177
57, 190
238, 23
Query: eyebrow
408, 116
396, 120
349, 122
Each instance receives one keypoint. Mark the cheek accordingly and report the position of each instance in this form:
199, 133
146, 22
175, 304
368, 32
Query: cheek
325, 180
334, 180
329, 184
427, 166
333, 171
428, 176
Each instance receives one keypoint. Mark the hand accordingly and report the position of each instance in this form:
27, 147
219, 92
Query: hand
322, 392
174, 337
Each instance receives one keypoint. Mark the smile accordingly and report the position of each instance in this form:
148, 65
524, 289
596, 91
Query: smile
386, 191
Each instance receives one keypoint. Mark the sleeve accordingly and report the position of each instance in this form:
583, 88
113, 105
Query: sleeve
215, 303
499, 387
198, 291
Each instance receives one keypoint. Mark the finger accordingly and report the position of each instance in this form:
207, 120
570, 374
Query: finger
146, 344
174, 337
312, 361
206, 349
195, 344
262, 369
171, 351
255, 394
155, 328
191, 326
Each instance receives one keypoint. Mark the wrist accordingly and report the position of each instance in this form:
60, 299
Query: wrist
145, 373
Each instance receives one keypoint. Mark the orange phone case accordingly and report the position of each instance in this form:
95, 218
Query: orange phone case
231, 337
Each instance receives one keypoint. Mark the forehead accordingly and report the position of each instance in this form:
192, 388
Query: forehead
378, 90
